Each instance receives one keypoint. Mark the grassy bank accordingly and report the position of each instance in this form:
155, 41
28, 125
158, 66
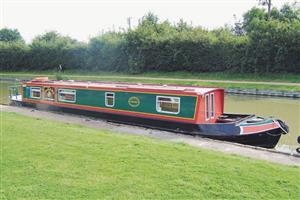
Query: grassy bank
74, 162
183, 78
271, 77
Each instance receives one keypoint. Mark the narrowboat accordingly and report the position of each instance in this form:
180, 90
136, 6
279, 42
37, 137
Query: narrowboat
184, 109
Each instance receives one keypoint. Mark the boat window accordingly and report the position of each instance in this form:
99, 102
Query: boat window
168, 104
109, 99
212, 105
48, 93
207, 107
35, 92
67, 95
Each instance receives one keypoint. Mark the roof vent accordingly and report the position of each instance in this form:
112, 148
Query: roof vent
121, 86
189, 89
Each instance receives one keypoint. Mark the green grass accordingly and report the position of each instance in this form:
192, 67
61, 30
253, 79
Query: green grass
273, 77
185, 76
44, 159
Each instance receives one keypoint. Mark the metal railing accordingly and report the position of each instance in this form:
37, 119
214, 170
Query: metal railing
14, 91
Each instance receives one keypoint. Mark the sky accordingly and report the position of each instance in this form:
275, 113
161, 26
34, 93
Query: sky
84, 19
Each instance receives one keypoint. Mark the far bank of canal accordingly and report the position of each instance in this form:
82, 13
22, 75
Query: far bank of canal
287, 109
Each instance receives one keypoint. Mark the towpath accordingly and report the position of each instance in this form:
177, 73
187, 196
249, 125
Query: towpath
225, 147
207, 80
164, 79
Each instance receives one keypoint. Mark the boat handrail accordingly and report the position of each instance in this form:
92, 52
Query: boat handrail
245, 118
242, 118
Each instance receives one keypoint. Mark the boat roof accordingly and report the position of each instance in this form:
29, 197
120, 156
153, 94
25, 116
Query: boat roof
44, 81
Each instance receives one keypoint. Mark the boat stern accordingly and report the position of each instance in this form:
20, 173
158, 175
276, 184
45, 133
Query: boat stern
258, 124
262, 132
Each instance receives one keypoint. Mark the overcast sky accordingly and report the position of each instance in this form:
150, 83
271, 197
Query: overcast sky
83, 19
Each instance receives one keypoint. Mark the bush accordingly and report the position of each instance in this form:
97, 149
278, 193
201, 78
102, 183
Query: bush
107, 53
13, 56
50, 50
257, 45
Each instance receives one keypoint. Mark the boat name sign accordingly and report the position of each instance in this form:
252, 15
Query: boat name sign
134, 101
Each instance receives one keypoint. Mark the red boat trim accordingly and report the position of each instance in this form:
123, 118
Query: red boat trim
256, 129
115, 111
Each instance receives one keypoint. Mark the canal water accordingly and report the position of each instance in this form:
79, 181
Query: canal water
286, 109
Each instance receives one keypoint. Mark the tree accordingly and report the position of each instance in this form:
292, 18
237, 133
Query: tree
290, 12
149, 19
266, 3
255, 14
51, 49
106, 52
183, 26
13, 56
238, 27
53, 37
10, 35
262, 42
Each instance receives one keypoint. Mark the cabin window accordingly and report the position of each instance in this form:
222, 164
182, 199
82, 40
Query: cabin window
207, 107
48, 93
109, 99
169, 105
35, 92
67, 95
212, 105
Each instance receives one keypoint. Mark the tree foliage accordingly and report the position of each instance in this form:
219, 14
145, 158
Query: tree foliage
13, 56
51, 49
107, 52
257, 44
10, 35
